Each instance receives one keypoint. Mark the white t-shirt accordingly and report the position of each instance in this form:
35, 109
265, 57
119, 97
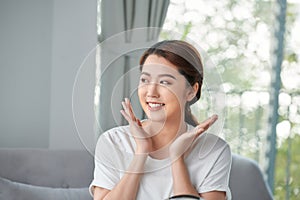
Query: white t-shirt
208, 164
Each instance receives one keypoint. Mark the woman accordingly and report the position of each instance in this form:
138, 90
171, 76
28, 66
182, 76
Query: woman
168, 154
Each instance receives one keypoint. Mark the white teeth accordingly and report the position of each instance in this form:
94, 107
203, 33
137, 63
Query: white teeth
154, 105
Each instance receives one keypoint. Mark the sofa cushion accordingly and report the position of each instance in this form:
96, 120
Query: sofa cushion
19, 191
48, 168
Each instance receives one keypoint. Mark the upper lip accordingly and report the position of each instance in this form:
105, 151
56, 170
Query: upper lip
154, 102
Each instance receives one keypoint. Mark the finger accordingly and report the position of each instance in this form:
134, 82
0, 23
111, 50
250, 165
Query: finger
125, 107
139, 122
208, 122
205, 125
126, 110
130, 109
214, 118
126, 116
198, 131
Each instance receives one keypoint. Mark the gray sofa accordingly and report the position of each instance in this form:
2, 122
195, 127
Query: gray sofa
38, 174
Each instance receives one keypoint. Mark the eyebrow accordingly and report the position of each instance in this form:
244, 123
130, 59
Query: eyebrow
160, 75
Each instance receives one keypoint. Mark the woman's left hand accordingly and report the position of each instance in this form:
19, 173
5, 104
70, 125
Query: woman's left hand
182, 142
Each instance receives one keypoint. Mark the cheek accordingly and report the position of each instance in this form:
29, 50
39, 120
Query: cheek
176, 94
141, 92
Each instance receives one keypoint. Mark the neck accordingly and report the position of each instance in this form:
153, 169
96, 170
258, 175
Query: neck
163, 135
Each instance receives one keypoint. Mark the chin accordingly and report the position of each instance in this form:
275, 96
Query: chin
156, 117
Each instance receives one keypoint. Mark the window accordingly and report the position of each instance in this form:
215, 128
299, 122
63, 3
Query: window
237, 37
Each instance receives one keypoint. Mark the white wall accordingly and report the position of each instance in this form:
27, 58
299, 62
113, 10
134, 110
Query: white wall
74, 36
42, 45
25, 68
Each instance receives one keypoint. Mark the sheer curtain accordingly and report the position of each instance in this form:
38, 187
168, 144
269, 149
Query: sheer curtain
127, 28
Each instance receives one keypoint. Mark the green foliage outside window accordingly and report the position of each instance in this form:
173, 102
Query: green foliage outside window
237, 36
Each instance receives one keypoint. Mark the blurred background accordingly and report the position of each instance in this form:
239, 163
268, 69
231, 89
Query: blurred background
255, 46
242, 39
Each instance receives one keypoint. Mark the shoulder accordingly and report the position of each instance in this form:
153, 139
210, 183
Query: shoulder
115, 133
213, 141
211, 145
117, 137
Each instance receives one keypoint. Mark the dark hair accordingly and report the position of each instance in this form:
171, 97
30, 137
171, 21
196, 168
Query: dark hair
189, 64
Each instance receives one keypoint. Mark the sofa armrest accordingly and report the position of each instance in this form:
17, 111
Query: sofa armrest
246, 180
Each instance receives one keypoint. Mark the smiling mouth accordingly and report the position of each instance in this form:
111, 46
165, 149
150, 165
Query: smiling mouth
155, 106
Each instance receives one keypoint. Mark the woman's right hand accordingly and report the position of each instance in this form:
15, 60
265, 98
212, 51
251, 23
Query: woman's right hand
141, 137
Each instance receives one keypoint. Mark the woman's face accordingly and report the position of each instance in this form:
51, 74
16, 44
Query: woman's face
163, 91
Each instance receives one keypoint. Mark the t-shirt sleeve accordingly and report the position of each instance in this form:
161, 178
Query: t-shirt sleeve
105, 175
218, 177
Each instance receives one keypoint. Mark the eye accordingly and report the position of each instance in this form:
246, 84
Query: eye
144, 80
164, 82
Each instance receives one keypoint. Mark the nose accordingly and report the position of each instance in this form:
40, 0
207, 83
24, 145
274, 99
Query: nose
152, 90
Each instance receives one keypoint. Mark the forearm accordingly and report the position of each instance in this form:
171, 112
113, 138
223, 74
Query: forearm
181, 180
128, 186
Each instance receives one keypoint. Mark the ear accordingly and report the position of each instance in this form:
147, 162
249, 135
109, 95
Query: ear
192, 92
